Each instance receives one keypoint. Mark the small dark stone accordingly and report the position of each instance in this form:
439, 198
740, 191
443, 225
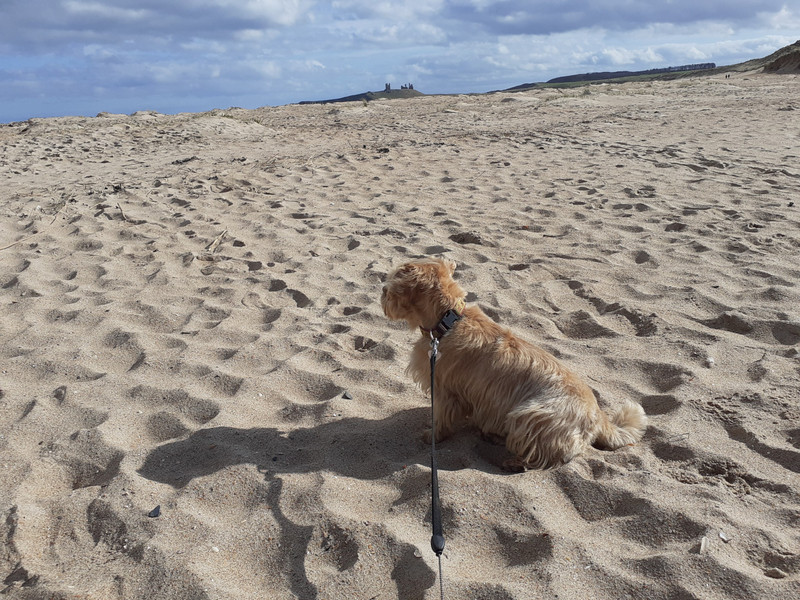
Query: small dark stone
155, 512
347, 396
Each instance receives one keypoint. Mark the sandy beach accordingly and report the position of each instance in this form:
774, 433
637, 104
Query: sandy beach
200, 397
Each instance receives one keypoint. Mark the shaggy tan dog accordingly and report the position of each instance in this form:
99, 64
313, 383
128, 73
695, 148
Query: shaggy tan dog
499, 383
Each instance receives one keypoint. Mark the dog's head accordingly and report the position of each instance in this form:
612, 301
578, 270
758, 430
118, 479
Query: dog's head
421, 292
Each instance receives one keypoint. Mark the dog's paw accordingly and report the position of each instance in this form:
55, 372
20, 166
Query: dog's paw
427, 436
514, 465
440, 436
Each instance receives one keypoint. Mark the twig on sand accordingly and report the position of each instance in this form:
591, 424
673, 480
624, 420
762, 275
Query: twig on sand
212, 247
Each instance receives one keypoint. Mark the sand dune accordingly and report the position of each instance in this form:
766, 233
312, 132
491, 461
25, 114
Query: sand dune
190, 321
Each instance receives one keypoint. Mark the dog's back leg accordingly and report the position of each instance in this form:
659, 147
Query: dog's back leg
449, 411
543, 435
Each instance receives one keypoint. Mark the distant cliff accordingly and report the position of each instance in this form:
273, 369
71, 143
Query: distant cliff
784, 61
619, 74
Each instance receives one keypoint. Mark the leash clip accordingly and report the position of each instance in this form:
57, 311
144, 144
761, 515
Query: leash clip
434, 346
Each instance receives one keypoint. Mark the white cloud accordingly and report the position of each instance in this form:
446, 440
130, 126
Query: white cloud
403, 10
47, 25
624, 57
696, 54
786, 19
96, 51
306, 66
373, 31
269, 69
104, 10
201, 46
618, 56
278, 12
250, 35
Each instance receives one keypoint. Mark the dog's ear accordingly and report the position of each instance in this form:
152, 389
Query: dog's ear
394, 305
399, 293
406, 273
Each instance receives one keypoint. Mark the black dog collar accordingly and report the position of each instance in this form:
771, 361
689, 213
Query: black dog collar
447, 322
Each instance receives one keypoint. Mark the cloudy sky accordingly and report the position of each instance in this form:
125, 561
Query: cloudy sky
81, 57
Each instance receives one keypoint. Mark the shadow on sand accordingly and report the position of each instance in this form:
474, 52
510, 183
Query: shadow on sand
351, 447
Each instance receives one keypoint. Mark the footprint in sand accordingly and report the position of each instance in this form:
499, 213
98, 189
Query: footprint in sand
636, 518
378, 350
673, 449
127, 348
206, 316
660, 404
663, 377
300, 298
163, 426
784, 332
340, 548
88, 459
580, 325
676, 227
269, 314
644, 325
199, 410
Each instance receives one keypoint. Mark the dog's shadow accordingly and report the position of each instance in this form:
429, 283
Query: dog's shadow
352, 447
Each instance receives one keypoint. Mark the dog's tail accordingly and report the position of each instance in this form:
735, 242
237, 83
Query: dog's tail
624, 428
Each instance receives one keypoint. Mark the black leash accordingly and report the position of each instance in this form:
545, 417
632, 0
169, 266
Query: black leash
445, 324
437, 539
